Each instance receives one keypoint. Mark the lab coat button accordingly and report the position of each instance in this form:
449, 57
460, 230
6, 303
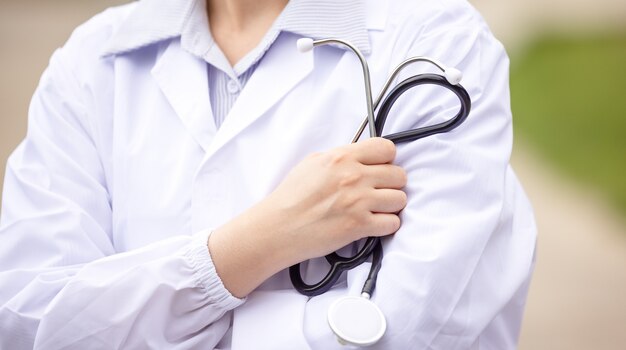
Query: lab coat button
232, 87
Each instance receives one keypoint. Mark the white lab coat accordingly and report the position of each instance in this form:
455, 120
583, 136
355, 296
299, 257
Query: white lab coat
108, 200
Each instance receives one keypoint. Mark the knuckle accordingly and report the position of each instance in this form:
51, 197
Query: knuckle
328, 157
347, 201
353, 225
350, 179
337, 157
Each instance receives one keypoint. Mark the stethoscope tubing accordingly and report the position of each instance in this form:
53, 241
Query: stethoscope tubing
372, 245
416, 134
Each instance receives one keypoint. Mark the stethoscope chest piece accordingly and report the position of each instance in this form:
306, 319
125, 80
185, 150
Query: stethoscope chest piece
356, 321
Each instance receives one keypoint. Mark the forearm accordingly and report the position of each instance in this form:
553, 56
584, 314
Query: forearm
327, 201
245, 254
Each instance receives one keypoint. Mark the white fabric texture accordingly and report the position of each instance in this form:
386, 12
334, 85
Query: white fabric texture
109, 200
311, 18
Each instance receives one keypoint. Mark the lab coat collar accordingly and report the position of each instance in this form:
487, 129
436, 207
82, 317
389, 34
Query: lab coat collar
183, 80
256, 99
321, 19
149, 22
153, 21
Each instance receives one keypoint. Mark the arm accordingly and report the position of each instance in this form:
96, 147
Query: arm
465, 249
331, 199
62, 281
458, 267
455, 275
60, 258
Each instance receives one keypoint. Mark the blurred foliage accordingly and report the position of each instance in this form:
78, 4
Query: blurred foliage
569, 101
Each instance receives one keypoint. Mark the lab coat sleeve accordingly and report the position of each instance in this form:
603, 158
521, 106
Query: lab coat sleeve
464, 253
458, 269
63, 285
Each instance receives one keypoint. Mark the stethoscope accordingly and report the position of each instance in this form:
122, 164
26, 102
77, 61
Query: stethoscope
357, 320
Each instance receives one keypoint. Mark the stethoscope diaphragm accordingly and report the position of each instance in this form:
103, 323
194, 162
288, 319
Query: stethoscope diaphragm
356, 321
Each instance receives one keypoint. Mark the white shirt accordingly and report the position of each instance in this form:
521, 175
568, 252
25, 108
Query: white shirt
110, 198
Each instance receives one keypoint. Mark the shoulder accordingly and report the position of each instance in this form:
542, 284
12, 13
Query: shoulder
433, 14
89, 40
410, 21
77, 73
80, 60
450, 30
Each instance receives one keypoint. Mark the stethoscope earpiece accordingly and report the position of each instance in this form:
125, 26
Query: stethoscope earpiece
304, 44
356, 321
453, 75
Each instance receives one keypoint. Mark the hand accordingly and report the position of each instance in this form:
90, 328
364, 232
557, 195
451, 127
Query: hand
334, 198
327, 201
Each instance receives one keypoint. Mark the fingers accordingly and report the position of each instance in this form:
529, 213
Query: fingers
383, 224
384, 206
387, 201
386, 176
375, 150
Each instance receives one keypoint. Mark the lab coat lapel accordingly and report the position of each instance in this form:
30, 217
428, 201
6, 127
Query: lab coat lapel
182, 78
282, 68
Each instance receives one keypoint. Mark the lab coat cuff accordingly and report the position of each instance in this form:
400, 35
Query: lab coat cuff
206, 275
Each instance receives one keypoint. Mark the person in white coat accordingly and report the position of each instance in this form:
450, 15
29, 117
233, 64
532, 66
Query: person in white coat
181, 154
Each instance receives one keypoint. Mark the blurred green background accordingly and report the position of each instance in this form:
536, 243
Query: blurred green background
569, 101
568, 85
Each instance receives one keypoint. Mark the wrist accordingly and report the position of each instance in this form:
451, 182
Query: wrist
248, 250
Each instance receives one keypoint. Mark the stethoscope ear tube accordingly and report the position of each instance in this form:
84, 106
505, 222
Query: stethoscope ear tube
415, 134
